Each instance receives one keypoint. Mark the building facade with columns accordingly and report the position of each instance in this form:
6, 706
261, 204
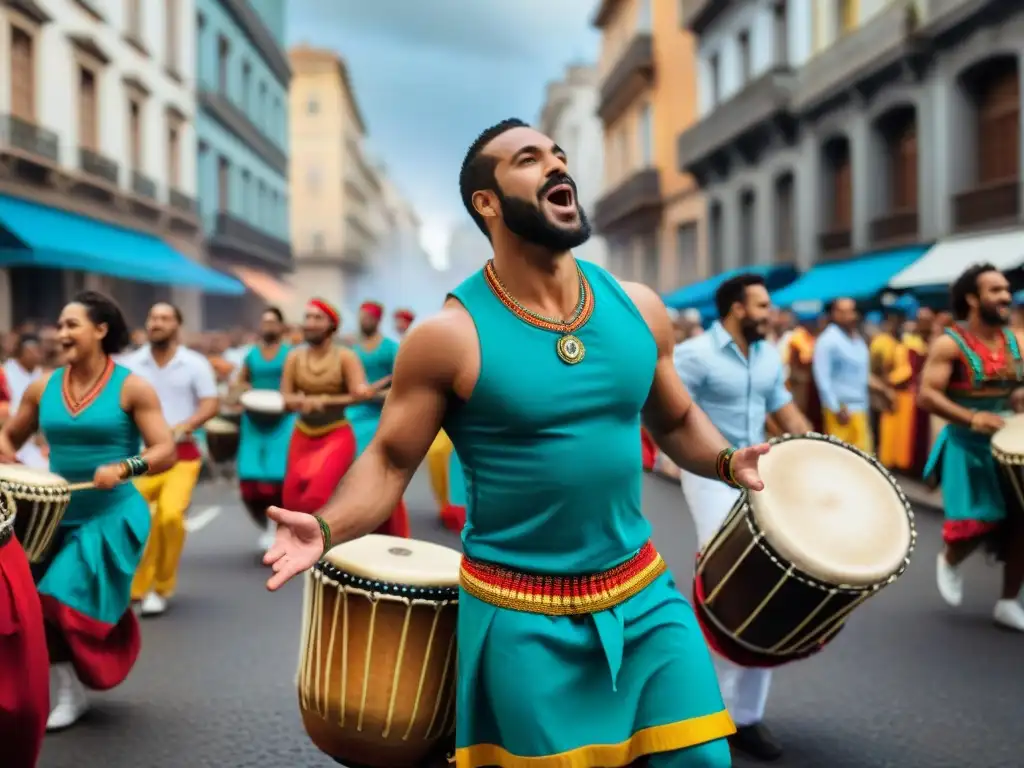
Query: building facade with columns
97, 156
831, 129
569, 117
650, 212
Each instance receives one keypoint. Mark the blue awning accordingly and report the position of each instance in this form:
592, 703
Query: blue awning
860, 278
34, 235
703, 293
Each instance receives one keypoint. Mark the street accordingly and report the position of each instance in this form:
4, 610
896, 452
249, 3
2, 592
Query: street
908, 684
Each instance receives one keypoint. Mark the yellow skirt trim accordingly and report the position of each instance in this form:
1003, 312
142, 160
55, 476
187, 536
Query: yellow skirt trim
311, 431
649, 741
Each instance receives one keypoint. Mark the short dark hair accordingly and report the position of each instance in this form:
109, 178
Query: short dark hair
103, 310
24, 340
275, 312
174, 308
831, 305
966, 285
734, 290
477, 171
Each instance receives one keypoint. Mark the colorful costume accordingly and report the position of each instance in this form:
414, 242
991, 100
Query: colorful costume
896, 425
85, 583
24, 663
798, 356
263, 439
972, 495
921, 432
559, 576
379, 363
841, 369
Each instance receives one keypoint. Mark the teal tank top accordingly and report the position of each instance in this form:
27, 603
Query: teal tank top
551, 451
377, 363
101, 433
263, 373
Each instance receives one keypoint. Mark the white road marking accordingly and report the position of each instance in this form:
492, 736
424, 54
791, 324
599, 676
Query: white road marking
202, 519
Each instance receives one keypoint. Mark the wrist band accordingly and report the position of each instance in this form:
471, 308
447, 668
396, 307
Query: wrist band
133, 467
723, 467
325, 533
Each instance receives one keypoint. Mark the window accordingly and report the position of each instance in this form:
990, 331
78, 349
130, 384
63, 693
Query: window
223, 60
262, 105
135, 134
846, 16
173, 156
785, 217
643, 18
715, 238
903, 165
842, 188
646, 136
318, 242
744, 45
246, 194
171, 34
23, 75
686, 252
714, 75
223, 185
312, 106
748, 214
246, 86
261, 200
88, 110
999, 127
780, 32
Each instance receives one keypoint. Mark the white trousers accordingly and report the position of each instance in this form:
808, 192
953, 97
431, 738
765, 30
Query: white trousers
744, 690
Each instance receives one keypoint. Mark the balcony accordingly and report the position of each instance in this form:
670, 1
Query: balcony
143, 186
182, 211
894, 228
885, 40
181, 202
235, 120
639, 196
990, 205
236, 240
698, 15
752, 111
630, 75
27, 142
97, 167
835, 244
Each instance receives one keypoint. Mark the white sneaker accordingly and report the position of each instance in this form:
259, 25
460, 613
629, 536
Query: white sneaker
69, 699
1009, 614
950, 581
153, 605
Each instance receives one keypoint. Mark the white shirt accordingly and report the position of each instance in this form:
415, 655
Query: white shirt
186, 379
18, 380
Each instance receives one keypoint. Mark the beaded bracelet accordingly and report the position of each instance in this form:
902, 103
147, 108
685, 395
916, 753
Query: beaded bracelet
325, 533
723, 467
133, 467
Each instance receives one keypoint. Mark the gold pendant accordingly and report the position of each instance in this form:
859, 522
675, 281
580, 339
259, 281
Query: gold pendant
570, 349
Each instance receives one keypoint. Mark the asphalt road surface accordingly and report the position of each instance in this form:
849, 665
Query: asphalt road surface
908, 684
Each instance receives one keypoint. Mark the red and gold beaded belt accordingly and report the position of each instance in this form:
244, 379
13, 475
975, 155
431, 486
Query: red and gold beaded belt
561, 595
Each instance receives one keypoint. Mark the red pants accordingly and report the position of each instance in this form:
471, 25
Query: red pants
24, 662
257, 496
453, 518
648, 450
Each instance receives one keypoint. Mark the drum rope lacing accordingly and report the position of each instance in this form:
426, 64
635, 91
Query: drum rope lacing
48, 506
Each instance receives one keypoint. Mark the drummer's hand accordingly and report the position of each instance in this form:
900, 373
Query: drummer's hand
312, 404
108, 476
298, 545
987, 423
744, 466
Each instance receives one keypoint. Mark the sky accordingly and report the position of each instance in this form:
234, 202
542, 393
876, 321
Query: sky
429, 75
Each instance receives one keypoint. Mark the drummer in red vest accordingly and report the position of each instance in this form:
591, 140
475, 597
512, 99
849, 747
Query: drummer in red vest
402, 318
737, 378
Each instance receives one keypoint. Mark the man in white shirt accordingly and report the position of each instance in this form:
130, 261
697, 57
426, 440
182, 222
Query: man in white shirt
187, 387
21, 370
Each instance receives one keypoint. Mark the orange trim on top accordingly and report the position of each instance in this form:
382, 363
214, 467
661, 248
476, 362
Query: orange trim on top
75, 407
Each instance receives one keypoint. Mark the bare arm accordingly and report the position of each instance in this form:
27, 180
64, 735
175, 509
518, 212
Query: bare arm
792, 420
142, 403
205, 387
354, 376
25, 422
425, 375
938, 369
681, 429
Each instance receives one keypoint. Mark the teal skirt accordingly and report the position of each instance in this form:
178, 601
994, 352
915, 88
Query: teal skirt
263, 447
962, 461
587, 691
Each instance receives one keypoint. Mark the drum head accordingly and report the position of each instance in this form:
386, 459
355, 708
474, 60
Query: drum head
262, 401
832, 512
220, 426
397, 561
18, 473
1010, 439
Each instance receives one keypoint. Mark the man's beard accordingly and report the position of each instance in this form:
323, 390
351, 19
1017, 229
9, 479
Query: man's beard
989, 315
368, 330
750, 331
315, 338
162, 342
271, 338
527, 220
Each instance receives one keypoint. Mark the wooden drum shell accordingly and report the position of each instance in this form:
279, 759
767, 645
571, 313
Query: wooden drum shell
377, 672
37, 511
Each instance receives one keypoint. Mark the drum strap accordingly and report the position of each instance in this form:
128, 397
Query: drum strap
561, 595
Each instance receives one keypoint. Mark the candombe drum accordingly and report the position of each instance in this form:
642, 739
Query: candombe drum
32, 504
1008, 451
265, 404
831, 529
221, 439
376, 675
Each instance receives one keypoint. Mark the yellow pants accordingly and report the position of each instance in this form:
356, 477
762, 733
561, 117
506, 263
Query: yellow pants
856, 431
169, 495
437, 465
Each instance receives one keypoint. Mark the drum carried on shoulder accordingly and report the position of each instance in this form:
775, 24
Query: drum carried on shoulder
32, 504
831, 529
377, 672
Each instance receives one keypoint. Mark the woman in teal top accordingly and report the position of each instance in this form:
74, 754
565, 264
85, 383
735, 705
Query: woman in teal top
93, 414
264, 438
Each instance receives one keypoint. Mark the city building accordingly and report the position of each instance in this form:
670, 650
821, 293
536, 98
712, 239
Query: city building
569, 117
242, 125
650, 212
830, 130
97, 158
338, 213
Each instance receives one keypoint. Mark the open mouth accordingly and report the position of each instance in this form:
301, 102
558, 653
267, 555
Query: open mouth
562, 197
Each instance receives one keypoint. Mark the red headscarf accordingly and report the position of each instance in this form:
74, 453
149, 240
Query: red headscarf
405, 314
322, 306
374, 308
